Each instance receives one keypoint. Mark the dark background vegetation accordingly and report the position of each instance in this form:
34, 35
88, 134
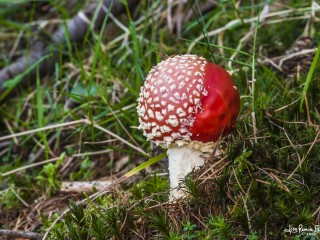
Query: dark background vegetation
70, 74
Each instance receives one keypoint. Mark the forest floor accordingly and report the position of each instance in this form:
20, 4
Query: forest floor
70, 76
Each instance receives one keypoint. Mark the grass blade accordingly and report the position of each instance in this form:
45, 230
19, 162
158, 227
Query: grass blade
309, 77
11, 83
146, 164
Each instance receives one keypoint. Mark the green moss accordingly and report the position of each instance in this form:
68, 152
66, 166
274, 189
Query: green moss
256, 187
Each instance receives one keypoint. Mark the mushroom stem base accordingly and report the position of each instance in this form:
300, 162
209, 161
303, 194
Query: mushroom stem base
181, 162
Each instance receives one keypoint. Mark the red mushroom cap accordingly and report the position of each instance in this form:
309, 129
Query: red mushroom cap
187, 99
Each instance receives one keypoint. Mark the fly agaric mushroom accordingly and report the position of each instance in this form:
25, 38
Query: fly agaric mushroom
186, 105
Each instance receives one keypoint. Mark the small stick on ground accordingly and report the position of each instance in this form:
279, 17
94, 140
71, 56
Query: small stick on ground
87, 186
20, 234
92, 16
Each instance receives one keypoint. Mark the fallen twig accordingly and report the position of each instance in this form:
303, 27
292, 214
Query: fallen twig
20, 234
79, 187
85, 121
91, 17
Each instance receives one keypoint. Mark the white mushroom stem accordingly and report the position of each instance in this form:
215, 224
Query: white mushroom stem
181, 162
